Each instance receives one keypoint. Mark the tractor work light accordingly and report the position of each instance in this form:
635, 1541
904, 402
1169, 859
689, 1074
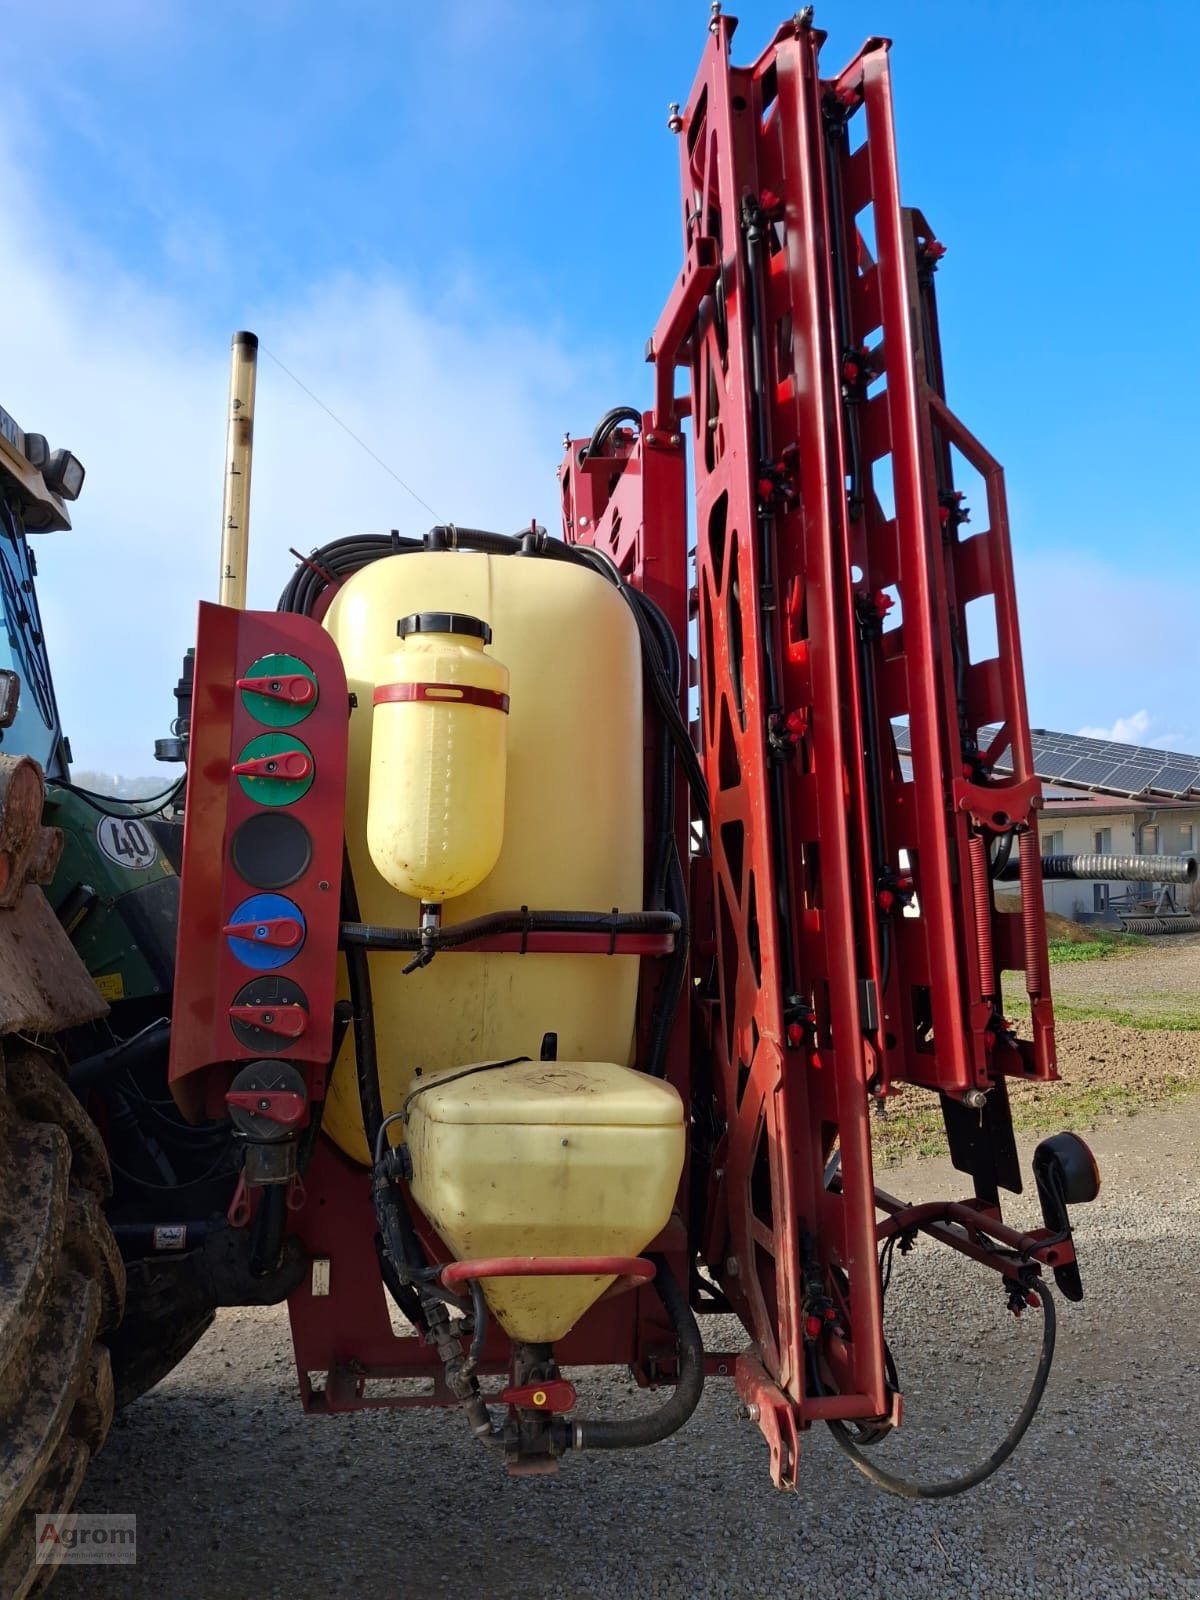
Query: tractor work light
37, 451
1067, 1174
10, 695
1065, 1164
64, 475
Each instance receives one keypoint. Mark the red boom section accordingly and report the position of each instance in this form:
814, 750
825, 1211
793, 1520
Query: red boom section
949, 658
845, 933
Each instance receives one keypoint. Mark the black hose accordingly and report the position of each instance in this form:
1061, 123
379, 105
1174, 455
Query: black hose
142, 1048
136, 809
266, 1236
998, 862
671, 987
910, 1490
343, 1013
395, 1224
607, 426
631, 1432
360, 936
480, 1319
343, 557
366, 1058
650, 620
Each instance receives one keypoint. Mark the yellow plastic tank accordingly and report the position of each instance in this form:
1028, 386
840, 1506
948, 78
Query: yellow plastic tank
573, 820
545, 1158
435, 812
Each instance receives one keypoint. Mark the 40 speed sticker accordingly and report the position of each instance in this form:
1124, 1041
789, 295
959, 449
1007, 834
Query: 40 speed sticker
126, 841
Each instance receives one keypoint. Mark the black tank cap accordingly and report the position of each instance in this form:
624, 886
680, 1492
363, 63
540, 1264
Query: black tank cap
444, 622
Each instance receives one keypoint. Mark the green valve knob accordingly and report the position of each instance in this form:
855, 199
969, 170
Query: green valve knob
279, 690
275, 769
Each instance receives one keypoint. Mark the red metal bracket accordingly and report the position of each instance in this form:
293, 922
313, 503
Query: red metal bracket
675, 325
765, 1403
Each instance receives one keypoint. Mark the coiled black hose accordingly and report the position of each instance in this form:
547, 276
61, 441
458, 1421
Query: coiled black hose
910, 1490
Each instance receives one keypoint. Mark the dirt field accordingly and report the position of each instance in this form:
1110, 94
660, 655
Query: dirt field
1128, 1032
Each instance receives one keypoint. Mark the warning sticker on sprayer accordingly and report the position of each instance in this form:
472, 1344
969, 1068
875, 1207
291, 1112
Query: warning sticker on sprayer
127, 841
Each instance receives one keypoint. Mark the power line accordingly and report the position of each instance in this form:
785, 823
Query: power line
316, 399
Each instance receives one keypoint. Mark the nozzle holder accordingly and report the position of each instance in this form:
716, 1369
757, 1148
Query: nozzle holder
444, 622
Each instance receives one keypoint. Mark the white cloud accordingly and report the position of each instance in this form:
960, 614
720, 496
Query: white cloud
1125, 730
467, 410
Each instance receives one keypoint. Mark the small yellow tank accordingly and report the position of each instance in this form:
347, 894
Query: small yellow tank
435, 811
545, 1158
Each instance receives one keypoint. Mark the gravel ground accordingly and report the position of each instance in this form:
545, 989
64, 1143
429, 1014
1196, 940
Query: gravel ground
238, 1494
1164, 969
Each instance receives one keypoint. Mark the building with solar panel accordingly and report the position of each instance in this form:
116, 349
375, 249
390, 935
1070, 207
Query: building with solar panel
1103, 798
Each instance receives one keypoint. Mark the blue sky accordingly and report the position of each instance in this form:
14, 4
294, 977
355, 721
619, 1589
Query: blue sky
458, 223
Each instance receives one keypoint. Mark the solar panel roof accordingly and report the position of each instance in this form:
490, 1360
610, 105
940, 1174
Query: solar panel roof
1175, 779
1075, 760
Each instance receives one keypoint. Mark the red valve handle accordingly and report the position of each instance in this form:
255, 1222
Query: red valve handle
556, 1394
277, 1105
282, 932
289, 1022
289, 764
293, 688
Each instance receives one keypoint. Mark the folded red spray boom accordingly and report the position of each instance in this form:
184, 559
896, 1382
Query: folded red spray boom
854, 939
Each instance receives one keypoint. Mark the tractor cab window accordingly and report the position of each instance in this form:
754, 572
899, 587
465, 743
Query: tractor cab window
35, 731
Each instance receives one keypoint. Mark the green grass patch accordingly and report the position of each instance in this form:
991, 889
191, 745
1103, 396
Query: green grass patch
1169, 1019
913, 1125
1103, 944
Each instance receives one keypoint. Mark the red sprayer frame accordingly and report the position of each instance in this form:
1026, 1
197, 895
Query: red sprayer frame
852, 944
844, 935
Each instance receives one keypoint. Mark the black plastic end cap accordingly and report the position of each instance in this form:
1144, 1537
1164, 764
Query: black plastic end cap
248, 339
444, 622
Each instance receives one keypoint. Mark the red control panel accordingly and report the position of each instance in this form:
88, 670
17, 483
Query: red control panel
262, 852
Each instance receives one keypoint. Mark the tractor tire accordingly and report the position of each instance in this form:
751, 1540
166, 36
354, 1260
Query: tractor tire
62, 1287
166, 1313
